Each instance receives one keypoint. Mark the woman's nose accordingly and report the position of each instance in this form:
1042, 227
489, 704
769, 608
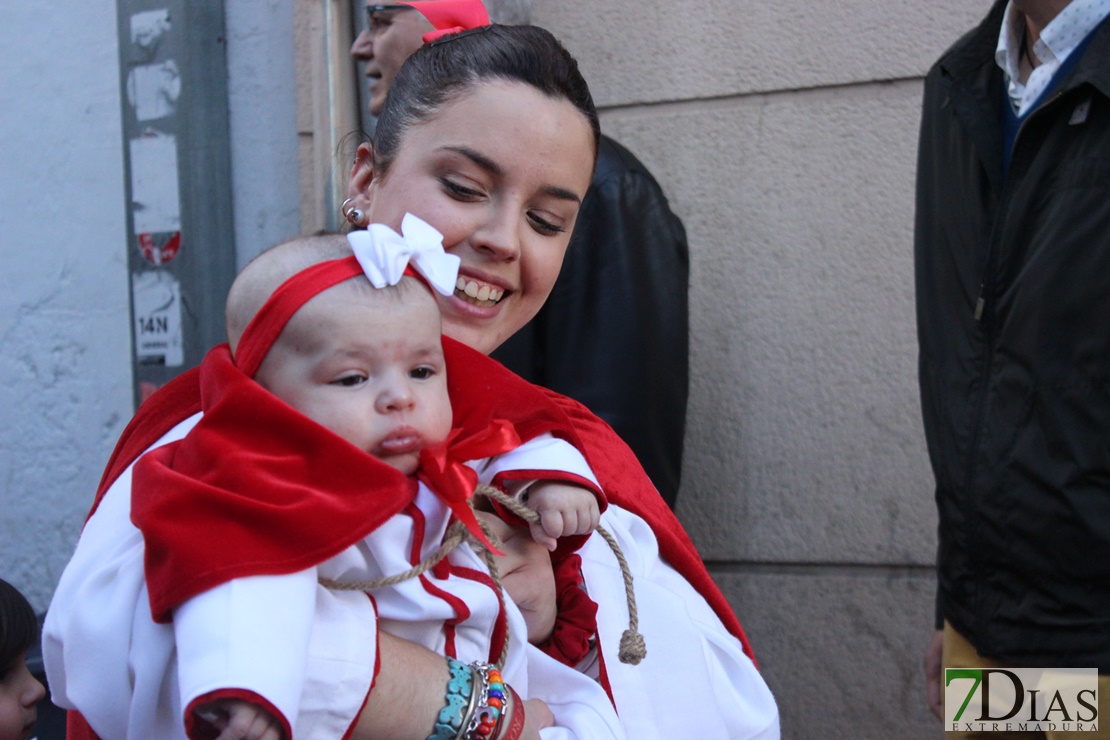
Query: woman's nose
499, 236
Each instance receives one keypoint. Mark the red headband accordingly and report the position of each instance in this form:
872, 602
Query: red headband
266, 326
264, 329
451, 16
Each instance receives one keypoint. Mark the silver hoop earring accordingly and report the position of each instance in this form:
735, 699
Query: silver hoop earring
353, 215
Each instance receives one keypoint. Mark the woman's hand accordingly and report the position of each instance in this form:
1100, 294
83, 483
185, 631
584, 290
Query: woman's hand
527, 576
537, 716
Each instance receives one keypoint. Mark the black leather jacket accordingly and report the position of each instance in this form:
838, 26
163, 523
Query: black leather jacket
1013, 315
614, 333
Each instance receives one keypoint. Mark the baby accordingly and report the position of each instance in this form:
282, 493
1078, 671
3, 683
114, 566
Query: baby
20, 691
349, 377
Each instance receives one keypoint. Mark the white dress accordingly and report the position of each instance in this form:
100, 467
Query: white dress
106, 657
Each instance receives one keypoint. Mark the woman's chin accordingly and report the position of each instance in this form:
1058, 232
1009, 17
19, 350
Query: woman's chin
479, 327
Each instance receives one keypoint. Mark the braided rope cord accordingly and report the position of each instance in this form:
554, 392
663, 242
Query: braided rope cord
632, 648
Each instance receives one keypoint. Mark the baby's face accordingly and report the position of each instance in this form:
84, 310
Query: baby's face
20, 692
372, 371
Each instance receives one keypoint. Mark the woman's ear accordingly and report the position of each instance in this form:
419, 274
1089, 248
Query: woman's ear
362, 174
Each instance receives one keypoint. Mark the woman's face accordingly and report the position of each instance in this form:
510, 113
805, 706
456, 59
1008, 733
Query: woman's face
500, 170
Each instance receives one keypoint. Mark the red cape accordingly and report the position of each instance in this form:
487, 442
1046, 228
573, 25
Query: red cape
241, 495
257, 488
481, 390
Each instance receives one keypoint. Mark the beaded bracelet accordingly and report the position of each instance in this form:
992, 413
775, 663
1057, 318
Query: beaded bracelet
454, 718
490, 702
479, 705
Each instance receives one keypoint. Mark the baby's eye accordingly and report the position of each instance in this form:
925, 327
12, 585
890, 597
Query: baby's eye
421, 373
349, 380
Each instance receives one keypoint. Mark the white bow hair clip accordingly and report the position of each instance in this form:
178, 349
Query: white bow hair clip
384, 254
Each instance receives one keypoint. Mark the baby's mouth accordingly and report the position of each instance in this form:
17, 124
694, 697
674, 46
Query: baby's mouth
478, 293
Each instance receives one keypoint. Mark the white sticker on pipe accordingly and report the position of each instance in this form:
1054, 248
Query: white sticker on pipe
155, 200
157, 299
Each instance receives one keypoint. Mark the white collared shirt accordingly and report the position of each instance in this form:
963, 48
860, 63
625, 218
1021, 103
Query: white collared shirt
1058, 40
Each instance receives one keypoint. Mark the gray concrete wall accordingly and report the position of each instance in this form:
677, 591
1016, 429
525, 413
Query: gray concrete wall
65, 344
65, 374
785, 136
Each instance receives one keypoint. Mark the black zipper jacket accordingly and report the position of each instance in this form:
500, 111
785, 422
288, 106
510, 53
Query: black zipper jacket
1013, 318
614, 333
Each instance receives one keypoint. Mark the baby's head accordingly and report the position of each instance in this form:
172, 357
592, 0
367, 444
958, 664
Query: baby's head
367, 363
20, 691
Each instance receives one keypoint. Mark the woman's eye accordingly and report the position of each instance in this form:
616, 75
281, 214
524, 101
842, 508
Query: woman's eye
460, 191
348, 381
421, 373
544, 226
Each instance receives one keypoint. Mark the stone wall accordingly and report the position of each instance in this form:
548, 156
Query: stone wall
785, 135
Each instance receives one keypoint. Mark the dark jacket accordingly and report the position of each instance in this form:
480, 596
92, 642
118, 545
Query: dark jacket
614, 333
1016, 402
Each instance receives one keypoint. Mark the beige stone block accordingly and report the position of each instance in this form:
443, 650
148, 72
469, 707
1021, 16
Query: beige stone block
804, 439
638, 52
840, 648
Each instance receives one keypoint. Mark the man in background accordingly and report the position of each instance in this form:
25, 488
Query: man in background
614, 333
1012, 256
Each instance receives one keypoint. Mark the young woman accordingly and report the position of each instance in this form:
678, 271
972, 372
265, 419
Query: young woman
490, 136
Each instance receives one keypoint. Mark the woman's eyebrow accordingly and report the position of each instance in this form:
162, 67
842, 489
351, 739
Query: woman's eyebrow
477, 158
495, 169
562, 194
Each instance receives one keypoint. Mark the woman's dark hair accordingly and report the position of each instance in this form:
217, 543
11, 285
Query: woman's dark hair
19, 629
439, 71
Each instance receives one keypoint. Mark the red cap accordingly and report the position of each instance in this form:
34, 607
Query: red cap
451, 16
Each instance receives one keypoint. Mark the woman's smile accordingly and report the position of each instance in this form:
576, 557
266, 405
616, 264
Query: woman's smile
478, 293
501, 173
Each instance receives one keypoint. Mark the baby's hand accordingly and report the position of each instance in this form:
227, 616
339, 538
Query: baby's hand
240, 720
564, 509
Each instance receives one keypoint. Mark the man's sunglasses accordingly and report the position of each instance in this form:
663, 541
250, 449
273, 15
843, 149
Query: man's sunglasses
374, 22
